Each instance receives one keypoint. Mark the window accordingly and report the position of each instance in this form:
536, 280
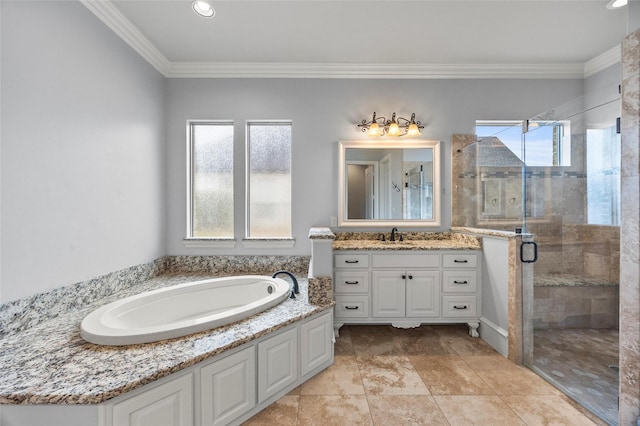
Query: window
603, 176
268, 180
548, 143
210, 183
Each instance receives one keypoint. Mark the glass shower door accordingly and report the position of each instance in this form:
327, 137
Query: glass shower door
571, 186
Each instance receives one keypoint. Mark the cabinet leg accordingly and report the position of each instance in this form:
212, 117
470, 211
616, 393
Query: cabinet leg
473, 329
336, 328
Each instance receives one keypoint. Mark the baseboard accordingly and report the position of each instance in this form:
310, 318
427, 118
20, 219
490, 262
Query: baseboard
495, 336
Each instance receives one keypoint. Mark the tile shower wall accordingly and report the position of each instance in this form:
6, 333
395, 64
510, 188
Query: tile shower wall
576, 277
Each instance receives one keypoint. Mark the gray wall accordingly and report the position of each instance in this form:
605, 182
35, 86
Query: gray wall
325, 111
82, 141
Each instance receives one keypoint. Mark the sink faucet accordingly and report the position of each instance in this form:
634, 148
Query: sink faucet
296, 289
393, 234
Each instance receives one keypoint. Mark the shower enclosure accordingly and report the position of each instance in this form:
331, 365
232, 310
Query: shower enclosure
556, 178
418, 193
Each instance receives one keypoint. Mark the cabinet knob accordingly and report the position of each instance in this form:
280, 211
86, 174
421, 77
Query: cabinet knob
410, 277
404, 277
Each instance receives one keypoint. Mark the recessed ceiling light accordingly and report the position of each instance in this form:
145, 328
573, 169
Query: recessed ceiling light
614, 4
203, 8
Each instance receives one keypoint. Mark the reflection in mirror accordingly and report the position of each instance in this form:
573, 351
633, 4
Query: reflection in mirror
389, 182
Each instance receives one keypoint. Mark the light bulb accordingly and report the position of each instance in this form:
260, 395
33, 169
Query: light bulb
374, 129
203, 8
413, 130
394, 130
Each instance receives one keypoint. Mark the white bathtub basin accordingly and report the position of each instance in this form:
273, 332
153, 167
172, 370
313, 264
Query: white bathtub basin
182, 309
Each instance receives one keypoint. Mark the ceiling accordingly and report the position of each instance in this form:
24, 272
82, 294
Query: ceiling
369, 38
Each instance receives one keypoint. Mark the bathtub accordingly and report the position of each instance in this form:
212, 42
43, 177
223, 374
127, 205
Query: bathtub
182, 309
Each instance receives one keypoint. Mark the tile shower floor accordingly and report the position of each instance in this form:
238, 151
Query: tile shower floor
431, 375
577, 361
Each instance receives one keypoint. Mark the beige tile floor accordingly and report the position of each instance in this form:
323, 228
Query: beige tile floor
431, 375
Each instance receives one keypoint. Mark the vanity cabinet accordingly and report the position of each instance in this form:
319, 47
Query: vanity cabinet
407, 288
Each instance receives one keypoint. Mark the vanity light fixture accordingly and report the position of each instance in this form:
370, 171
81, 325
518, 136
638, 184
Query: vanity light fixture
203, 8
397, 126
615, 4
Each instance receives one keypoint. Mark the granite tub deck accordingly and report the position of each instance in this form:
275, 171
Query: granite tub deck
49, 363
410, 241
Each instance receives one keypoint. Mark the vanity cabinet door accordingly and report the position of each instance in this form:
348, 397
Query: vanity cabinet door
277, 363
170, 403
316, 343
423, 294
388, 294
228, 387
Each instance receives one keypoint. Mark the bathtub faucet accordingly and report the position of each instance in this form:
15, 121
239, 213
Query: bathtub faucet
296, 289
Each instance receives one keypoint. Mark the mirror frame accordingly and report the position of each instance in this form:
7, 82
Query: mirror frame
388, 144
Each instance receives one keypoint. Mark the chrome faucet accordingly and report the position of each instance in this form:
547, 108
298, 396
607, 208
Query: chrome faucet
393, 234
296, 289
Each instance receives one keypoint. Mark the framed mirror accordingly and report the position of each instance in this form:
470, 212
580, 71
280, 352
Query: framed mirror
389, 183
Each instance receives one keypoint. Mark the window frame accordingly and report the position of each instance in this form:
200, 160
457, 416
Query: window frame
258, 242
190, 240
562, 154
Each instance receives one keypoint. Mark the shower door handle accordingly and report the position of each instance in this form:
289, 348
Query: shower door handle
535, 252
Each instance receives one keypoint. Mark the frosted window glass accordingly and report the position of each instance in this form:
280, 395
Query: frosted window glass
269, 169
212, 180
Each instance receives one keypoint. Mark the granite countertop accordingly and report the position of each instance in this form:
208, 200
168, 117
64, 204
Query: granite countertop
402, 245
410, 241
51, 364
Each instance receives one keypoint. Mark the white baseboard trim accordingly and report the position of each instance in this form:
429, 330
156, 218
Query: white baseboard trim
497, 337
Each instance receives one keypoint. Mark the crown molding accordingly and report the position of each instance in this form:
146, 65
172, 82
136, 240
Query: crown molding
119, 24
602, 61
373, 71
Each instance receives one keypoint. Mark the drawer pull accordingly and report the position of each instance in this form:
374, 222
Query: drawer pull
352, 282
351, 261
460, 261
352, 308
460, 308
461, 282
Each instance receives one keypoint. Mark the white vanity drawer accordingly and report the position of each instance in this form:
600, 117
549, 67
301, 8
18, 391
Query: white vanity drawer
352, 306
459, 306
460, 260
459, 282
356, 281
351, 261
405, 260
